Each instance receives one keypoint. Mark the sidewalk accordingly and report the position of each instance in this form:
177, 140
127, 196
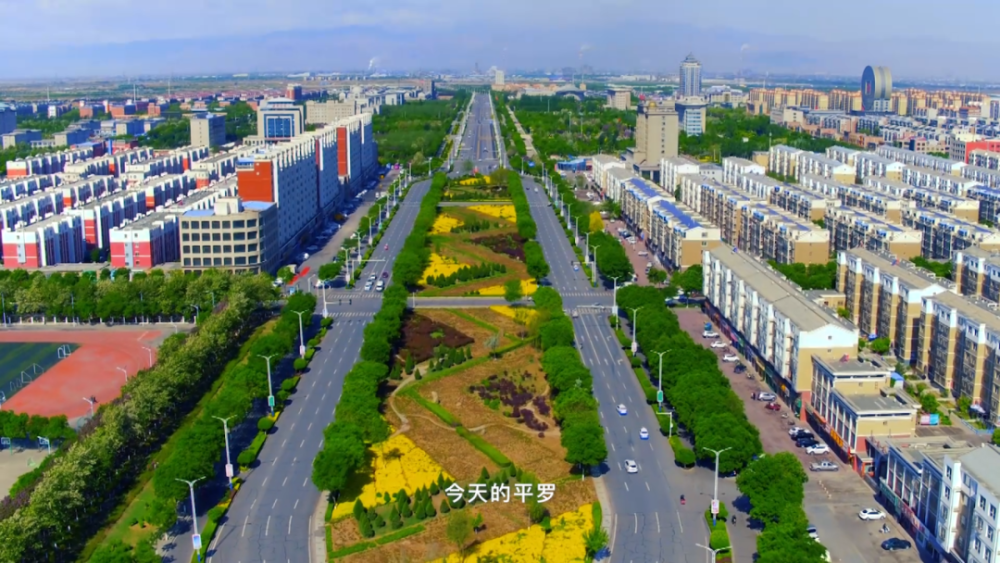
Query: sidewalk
529, 145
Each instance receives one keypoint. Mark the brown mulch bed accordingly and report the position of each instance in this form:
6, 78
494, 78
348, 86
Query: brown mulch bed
418, 340
511, 244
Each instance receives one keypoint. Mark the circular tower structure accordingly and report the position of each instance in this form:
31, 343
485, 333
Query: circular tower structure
876, 84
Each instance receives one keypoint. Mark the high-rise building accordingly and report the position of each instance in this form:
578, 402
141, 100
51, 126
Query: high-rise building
208, 130
876, 89
279, 119
498, 78
655, 136
294, 92
690, 77
619, 98
232, 235
8, 118
692, 115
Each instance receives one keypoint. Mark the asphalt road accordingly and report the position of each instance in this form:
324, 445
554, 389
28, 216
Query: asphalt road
477, 143
271, 517
648, 523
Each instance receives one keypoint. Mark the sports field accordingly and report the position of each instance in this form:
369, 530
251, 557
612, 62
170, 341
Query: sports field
23, 362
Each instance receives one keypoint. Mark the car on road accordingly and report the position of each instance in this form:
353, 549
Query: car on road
804, 435
730, 358
818, 449
813, 532
773, 407
824, 466
643, 433
576, 267
896, 544
643, 253
871, 514
372, 277
368, 286
718, 344
631, 467
622, 410
385, 275
710, 334
765, 396
380, 285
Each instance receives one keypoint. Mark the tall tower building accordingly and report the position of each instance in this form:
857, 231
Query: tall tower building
690, 78
656, 137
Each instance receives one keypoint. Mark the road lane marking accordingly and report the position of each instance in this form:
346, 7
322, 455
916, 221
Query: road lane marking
265, 481
636, 514
273, 504
283, 481
296, 504
679, 523
293, 424
252, 504
215, 540
614, 533
317, 410
283, 443
245, 518
626, 486
300, 410
602, 414
657, 522
267, 528
309, 427
323, 398
613, 448
289, 525
647, 485
302, 444
304, 481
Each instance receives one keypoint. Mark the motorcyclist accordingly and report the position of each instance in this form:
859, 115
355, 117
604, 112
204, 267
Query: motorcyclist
682, 499
387, 246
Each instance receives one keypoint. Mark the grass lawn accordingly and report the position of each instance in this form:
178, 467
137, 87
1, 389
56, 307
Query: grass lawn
31, 358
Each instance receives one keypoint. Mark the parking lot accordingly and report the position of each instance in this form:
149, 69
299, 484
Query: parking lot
832, 499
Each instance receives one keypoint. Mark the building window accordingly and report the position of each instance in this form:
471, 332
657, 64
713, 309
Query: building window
187, 261
215, 224
241, 261
216, 249
204, 224
227, 261
252, 259
216, 237
227, 248
225, 224
252, 248
186, 250
947, 473
226, 236
251, 223
982, 502
184, 224
239, 224
240, 248
217, 261
252, 235
239, 236
185, 237
205, 249
993, 511
197, 261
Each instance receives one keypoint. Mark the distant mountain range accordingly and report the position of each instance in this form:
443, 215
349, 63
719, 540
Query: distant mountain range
649, 47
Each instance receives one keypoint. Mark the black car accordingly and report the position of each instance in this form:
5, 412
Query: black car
803, 435
740, 368
896, 544
806, 442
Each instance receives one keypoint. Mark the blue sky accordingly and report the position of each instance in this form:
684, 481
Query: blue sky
62, 38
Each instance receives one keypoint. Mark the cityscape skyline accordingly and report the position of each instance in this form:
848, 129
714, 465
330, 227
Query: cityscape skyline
49, 38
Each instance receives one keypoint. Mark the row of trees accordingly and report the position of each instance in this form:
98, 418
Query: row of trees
703, 401
534, 259
54, 518
774, 486
466, 273
111, 295
358, 421
567, 126
418, 127
811, 276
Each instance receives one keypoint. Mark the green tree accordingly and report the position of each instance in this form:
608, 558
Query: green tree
771, 483
468, 167
459, 530
929, 403
595, 540
880, 345
343, 453
656, 276
584, 444
690, 280
512, 291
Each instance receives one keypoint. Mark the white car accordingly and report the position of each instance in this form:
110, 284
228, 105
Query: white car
871, 514
631, 467
730, 358
643, 433
795, 430
767, 397
622, 410
368, 286
718, 344
818, 449
380, 285
372, 278
710, 334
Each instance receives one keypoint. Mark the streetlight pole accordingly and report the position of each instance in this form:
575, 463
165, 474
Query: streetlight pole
123, 370
635, 317
588, 247
659, 388
229, 462
614, 300
714, 552
347, 259
302, 338
197, 311
196, 537
150, 352
326, 311
715, 493
593, 267
91, 402
270, 393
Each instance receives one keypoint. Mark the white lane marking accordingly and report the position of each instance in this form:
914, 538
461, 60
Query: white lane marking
215, 540
657, 522
323, 398
283, 481
267, 527
602, 414
300, 410
681, 524
293, 424
636, 514
273, 504
289, 525
283, 443
647, 485
626, 486
302, 444
245, 518
304, 481
613, 448
309, 427
264, 482
296, 504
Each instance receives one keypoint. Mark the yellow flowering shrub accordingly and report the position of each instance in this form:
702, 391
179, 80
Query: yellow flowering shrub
499, 211
564, 544
528, 287
441, 266
398, 464
520, 315
445, 224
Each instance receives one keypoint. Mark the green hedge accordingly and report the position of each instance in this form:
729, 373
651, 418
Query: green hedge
482, 445
719, 536
291, 383
647, 386
249, 455
683, 455
598, 514
366, 545
435, 408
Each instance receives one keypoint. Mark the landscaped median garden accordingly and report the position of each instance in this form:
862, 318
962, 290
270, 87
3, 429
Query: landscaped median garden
493, 400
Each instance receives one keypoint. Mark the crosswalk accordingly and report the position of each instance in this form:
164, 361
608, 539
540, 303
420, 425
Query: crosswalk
338, 296
594, 293
351, 314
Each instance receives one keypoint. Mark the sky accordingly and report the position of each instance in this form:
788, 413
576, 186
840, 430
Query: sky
69, 38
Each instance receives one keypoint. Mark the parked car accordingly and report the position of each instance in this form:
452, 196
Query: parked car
824, 466
896, 544
807, 442
718, 344
631, 467
813, 532
773, 407
368, 286
765, 396
871, 514
818, 449
730, 358
710, 334
380, 285
795, 430
740, 368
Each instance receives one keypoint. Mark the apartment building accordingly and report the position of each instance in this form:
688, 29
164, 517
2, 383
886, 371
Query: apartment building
977, 272
638, 200
278, 119
656, 136
145, 243
985, 159
943, 233
734, 167
618, 98
601, 167
104, 213
618, 181
208, 130
19, 137
774, 234
882, 204
673, 167
49, 242
968, 209
51, 163
870, 164
216, 167
80, 192
163, 191
961, 144
30, 209
931, 179
885, 297
233, 235
983, 176
773, 323
679, 236
913, 158
805, 204
853, 228
720, 204
783, 160
844, 155
16, 188
8, 118
822, 165
853, 401
333, 111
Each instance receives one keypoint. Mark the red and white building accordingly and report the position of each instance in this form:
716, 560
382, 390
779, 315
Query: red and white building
30, 209
146, 242
75, 194
52, 241
16, 188
960, 146
160, 191
106, 213
349, 161
216, 167
47, 163
175, 162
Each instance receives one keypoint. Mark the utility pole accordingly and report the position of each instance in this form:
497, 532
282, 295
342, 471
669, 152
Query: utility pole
635, 315
614, 300
715, 493
659, 388
593, 267
196, 536
302, 338
229, 461
270, 393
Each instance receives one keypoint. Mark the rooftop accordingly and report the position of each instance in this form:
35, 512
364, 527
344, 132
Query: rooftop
976, 309
867, 219
933, 448
680, 213
982, 463
889, 401
148, 221
912, 276
853, 365
643, 188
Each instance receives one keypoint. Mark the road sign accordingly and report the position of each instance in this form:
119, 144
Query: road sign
635, 347
196, 541
229, 470
659, 396
270, 401
614, 311
715, 507
302, 350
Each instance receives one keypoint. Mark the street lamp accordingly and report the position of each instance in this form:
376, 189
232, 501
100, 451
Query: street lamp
91, 402
150, 352
195, 537
715, 494
593, 267
659, 391
197, 311
123, 370
302, 338
635, 316
347, 259
270, 393
614, 300
229, 462
714, 552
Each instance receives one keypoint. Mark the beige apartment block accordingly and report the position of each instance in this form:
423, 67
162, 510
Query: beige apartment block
985, 159
968, 209
656, 134
679, 236
844, 155
977, 272
945, 166
944, 234
638, 199
854, 401
884, 297
774, 234
822, 165
671, 170
734, 167
779, 326
783, 160
757, 186
987, 194
232, 235
760, 157
804, 204
957, 337
601, 167
720, 204
853, 228
932, 179
870, 164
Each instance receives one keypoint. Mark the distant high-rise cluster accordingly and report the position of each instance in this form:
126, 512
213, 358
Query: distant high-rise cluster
690, 103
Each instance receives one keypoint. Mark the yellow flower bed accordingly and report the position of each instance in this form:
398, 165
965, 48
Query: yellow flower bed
445, 224
441, 266
499, 211
520, 315
398, 464
528, 287
563, 544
